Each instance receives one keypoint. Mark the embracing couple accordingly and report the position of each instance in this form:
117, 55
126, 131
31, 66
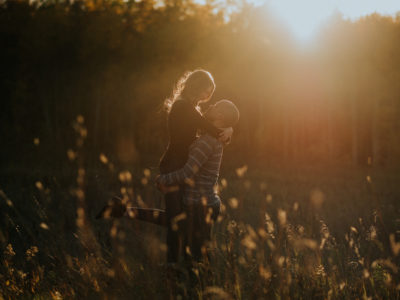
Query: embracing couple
190, 167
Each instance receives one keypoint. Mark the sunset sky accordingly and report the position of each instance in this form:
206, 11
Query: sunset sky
303, 17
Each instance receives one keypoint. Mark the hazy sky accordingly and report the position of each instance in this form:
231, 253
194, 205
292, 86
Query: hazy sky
304, 16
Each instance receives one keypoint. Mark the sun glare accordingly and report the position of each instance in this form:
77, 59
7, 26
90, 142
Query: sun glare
304, 17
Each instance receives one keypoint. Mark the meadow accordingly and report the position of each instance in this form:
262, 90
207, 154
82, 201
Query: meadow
284, 233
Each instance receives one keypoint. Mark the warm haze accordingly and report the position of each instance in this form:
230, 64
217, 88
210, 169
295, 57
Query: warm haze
309, 183
303, 18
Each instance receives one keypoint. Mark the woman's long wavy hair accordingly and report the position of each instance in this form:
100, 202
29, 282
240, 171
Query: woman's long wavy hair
190, 86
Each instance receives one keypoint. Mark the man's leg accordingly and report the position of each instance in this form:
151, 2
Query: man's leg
195, 230
204, 216
189, 229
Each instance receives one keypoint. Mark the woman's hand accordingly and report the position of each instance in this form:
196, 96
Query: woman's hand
165, 188
161, 187
226, 135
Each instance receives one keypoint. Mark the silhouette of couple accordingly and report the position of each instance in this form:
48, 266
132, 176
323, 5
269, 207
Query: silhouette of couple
189, 168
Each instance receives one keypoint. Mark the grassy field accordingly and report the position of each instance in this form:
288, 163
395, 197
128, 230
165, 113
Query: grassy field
283, 234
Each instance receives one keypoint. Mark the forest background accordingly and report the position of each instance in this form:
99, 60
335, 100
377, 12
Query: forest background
333, 101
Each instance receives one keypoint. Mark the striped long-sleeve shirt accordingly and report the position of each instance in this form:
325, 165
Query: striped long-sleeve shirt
200, 173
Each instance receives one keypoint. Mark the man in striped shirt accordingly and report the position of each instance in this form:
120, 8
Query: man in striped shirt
199, 177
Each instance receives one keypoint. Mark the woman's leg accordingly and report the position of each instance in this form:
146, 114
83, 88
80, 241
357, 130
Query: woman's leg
151, 215
115, 208
171, 218
174, 218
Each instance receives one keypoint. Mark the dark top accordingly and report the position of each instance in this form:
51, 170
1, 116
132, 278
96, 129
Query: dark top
183, 121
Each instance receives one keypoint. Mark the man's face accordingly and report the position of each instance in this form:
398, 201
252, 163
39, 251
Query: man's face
215, 116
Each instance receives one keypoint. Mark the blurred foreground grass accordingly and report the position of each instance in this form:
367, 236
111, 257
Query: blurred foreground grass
281, 235
304, 233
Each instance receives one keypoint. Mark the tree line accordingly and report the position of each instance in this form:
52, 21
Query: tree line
114, 62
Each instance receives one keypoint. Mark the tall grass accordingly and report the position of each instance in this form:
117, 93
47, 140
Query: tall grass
303, 233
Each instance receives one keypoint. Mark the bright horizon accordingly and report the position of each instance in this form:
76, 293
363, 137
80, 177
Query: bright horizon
303, 17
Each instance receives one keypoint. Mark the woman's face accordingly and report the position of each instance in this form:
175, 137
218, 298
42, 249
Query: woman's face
206, 94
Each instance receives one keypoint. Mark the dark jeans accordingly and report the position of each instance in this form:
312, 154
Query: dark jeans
188, 226
200, 219
172, 218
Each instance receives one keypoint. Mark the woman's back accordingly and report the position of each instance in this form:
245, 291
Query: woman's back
183, 122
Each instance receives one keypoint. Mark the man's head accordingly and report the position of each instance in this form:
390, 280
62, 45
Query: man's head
223, 114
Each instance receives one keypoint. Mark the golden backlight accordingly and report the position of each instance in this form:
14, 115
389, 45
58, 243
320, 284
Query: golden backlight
305, 17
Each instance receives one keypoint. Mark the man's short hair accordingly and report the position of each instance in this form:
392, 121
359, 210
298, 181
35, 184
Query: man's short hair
229, 112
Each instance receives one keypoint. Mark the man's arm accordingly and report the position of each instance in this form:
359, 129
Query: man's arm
198, 155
